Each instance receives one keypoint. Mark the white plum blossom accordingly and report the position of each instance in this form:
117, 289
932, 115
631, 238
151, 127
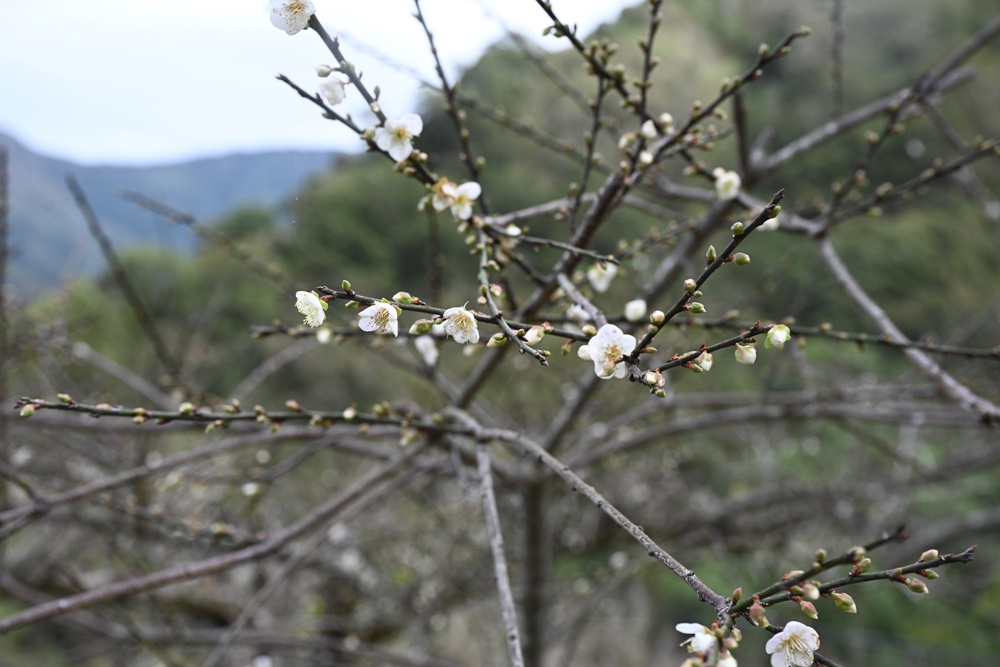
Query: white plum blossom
667, 122
649, 129
292, 16
702, 639
777, 336
746, 354
534, 335
606, 348
601, 274
310, 305
577, 312
334, 91
461, 325
380, 317
727, 184
395, 137
465, 194
427, 348
726, 659
793, 646
445, 193
704, 362
635, 310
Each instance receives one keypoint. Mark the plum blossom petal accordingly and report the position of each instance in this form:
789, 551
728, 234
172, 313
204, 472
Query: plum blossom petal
793, 646
635, 310
601, 274
777, 336
334, 91
746, 354
465, 194
292, 16
380, 317
395, 137
310, 305
606, 348
727, 184
427, 348
461, 325
701, 640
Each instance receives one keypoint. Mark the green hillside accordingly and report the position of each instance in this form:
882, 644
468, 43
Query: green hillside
50, 238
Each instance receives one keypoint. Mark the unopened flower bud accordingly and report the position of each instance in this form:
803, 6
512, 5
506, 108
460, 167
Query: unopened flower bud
741, 259
649, 379
809, 609
844, 602
186, 408
737, 229
403, 297
324, 71
930, 554
28, 410
863, 565
497, 340
421, 327
737, 595
534, 335
696, 307
589, 330
757, 616
746, 355
929, 574
657, 317
293, 405
810, 591
690, 285
65, 398
820, 556
350, 413
710, 255
917, 586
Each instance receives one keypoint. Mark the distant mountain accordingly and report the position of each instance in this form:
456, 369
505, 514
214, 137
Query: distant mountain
50, 238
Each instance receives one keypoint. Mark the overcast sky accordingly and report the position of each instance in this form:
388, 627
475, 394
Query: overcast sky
153, 81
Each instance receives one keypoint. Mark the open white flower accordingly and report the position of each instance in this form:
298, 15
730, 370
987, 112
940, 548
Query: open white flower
395, 137
601, 274
793, 646
334, 91
702, 639
606, 348
310, 305
578, 313
292, 16
427, 348
727, 184
445, 193
726, 659
380, 317
777, 336
465, 194
635, 310
746, 354
461, 325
